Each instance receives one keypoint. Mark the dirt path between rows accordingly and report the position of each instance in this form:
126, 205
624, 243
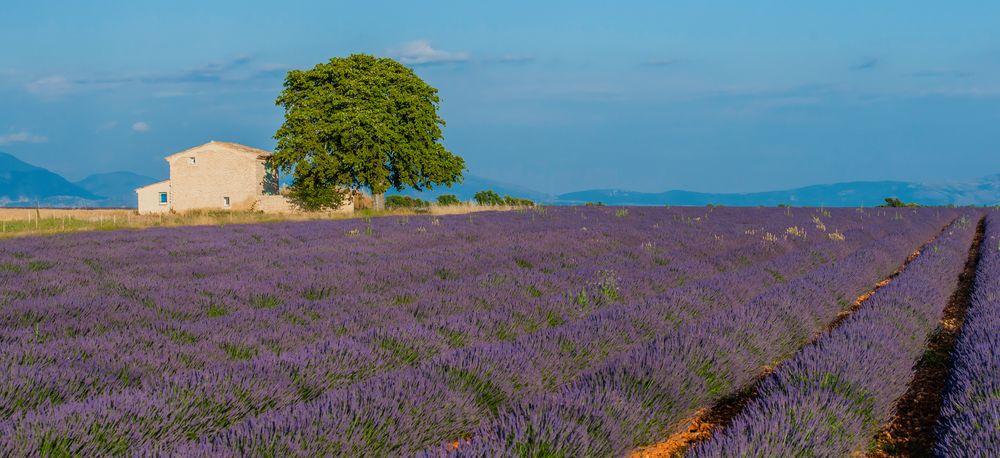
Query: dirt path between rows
910, 433
719, 416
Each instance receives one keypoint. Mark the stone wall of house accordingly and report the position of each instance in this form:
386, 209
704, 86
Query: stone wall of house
149, 198
216, 173
346, 207
281, 204
218, 176
276, 204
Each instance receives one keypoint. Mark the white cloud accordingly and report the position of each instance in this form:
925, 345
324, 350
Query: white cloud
141, 127
21, 137
239, 70
51, 87
421, 52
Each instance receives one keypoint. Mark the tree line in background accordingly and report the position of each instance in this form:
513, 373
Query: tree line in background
490, 197
898, 203
890, 202
485, 198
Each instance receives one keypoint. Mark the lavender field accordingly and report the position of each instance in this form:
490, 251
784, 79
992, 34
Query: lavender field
549, 332
970, 418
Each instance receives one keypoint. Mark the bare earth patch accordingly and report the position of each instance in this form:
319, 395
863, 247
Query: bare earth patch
707, 421
911, 430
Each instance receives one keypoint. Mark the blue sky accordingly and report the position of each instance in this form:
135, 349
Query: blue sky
557, 96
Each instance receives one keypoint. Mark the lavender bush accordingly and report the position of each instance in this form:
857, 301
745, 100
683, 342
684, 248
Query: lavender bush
389, 335
830, 398
970, 416
656, 385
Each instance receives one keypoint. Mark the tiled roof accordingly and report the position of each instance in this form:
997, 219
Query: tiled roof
152, 184
226, 145
244, 148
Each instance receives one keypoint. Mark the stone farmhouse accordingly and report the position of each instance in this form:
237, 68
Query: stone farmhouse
218, 176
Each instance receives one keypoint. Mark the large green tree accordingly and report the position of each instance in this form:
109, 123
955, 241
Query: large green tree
361, 122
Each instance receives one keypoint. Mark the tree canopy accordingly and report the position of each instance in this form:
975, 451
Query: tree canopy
896, 202
360, 122
490, 197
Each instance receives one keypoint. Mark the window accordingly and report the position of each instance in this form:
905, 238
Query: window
163, 198
191, 160
225, 202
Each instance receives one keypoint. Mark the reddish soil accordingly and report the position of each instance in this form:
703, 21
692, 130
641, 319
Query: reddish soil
697, 429
911, 431
707, 421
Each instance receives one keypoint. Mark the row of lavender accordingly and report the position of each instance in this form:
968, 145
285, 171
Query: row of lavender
203, 296
635, 399
154, 338
451, 395
970, 417
212, 388
830, 398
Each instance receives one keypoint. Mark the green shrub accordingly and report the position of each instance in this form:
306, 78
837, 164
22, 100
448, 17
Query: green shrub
448, 199
897, 203
517, 202
488, 197
405, 202
311, 197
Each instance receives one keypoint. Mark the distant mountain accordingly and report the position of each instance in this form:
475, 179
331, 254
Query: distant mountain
119, 187
985, 191
22, 184
473, 184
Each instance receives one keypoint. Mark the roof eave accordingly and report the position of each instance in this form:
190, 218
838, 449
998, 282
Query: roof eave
234, 147
151, 184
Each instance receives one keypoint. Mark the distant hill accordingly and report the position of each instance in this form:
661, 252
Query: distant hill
985, 191
23, 184
118, 187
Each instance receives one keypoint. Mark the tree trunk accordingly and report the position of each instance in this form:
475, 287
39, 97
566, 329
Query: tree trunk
378, 201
